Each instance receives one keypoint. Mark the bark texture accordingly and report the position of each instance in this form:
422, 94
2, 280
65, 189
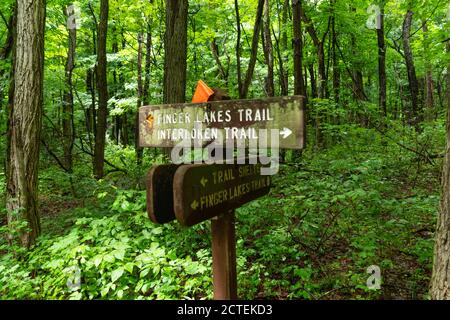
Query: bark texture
440, 280
175, 44
26, 119
102, 88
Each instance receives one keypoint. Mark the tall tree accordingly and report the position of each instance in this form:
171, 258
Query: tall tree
148, 61
245, 85
68, 117
268, 50
102, 89
334, 58
175, 44
319, 44
381, 62
299, 86
428, 69
140, 97
357, 75
26, 119
284, 73
440, 280
410, 68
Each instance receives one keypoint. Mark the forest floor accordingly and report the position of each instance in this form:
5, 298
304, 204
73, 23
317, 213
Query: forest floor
362, 201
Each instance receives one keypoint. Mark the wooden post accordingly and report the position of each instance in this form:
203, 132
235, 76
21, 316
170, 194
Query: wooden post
224, 256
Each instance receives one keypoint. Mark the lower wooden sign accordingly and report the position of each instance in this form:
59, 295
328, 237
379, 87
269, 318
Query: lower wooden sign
202, 191
160, 193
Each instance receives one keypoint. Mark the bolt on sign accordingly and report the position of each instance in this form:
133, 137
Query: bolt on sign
274, 122
202, 191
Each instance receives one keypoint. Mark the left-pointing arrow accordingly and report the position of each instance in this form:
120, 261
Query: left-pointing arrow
194, 205
204, 181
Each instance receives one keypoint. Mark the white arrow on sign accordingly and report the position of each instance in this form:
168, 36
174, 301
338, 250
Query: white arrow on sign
285, 132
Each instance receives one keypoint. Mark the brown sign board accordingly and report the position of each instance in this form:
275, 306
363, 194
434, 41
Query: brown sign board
202, 191
269, 122
160, 193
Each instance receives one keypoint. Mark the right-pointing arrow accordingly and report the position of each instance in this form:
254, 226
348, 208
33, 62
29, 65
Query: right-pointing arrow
285, 132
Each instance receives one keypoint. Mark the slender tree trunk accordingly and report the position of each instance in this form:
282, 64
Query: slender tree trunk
440, 280
102, 87
124, 117
215, 51
429, 87
148, 61
381, 64
268, 50
68, 117
254, 50
284, 74
336, 71
358, 83
117, 121
319, 44
90, 113
412, 78
175, 44
312, 77
299, 86
26, 119
238, 48
140, 95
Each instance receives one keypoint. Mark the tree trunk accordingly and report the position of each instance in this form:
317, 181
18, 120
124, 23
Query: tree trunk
68, 120
381, 65
429, 101
222, 72
284, 75
148, 60
238, 48
312, 77
358, 83
102, 88
319, 44
140, 94
440, 280
336, 71
117, 121
268, 50
175, 43
253, 52
299, 86
412, 78
26, 119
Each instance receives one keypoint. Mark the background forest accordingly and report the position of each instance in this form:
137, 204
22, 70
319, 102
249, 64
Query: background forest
364, 192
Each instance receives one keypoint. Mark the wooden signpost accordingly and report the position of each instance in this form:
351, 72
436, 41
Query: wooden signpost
193, 193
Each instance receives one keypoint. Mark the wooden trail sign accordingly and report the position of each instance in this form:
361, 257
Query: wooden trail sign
247, 122
202, 191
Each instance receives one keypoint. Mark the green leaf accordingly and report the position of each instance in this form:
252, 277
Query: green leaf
116, 274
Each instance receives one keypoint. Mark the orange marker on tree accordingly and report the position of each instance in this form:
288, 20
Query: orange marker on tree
202, 93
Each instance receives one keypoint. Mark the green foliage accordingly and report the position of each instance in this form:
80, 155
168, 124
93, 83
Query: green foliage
119, 256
